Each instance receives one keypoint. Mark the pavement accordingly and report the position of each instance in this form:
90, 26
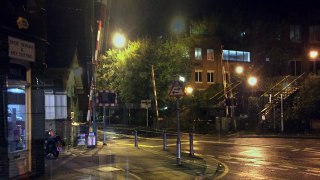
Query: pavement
119, 159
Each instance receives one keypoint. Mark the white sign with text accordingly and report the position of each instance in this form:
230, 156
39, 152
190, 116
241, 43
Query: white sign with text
21, 49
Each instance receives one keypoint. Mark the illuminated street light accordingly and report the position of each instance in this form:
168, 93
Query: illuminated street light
119, 40
252, 81
239, 69
188, 90
182, 79
313, 54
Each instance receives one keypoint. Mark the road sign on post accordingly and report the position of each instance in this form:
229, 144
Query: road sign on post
176, 89
146, 104
105, 99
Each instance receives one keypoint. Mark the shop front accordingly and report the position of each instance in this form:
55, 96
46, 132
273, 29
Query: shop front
21, 108
18, 120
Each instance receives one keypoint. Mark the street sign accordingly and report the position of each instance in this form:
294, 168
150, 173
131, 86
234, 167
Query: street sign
145, 104
176, 89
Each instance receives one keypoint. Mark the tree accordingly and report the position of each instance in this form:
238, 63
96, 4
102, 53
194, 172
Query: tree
309, 99
128, 71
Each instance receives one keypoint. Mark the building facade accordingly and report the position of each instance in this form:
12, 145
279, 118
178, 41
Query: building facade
22, 56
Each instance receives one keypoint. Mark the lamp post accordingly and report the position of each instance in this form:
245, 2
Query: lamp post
119, 41
314, 54
252, 81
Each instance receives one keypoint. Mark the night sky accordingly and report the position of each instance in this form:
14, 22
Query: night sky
67, 19
153, 17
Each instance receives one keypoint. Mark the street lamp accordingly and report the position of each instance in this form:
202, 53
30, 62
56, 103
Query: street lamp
313, 54
188, 90
239, 70
119, 40
182, 79
252, 81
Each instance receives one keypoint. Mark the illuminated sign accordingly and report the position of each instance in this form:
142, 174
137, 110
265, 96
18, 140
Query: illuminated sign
20, 49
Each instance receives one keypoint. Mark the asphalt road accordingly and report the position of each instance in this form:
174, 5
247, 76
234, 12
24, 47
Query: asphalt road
265, 158
240, 158
258, 158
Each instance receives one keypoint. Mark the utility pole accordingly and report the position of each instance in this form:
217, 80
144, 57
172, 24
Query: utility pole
155, 94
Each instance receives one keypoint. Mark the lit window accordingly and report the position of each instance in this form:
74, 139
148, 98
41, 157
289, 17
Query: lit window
210, 76
198, 76
17, 119
314, 33
197, 54
210, 54
295, 33
60, 106
238, 56
55, 106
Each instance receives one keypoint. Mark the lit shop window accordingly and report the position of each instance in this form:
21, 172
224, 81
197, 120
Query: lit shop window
16, 119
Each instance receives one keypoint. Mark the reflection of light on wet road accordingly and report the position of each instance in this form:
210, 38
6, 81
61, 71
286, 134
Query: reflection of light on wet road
253, 152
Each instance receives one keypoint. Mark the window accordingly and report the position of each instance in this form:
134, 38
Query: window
198, 76
314, 33
49, 106
295, 33
16, 119
239, 56
210, 54
60, 106
210, 79
55, 106
197, 54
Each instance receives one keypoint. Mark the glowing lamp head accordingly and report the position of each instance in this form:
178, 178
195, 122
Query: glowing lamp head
188, 90
119, 40
313, 54
239, 69
182, 79
252, 81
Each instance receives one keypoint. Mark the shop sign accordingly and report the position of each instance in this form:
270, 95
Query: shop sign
20, 49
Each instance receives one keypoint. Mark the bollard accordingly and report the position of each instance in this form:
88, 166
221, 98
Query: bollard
178, 153
164, 140
135, 138
191, 154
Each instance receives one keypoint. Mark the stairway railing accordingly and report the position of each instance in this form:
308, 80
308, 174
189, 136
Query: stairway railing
286, 91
